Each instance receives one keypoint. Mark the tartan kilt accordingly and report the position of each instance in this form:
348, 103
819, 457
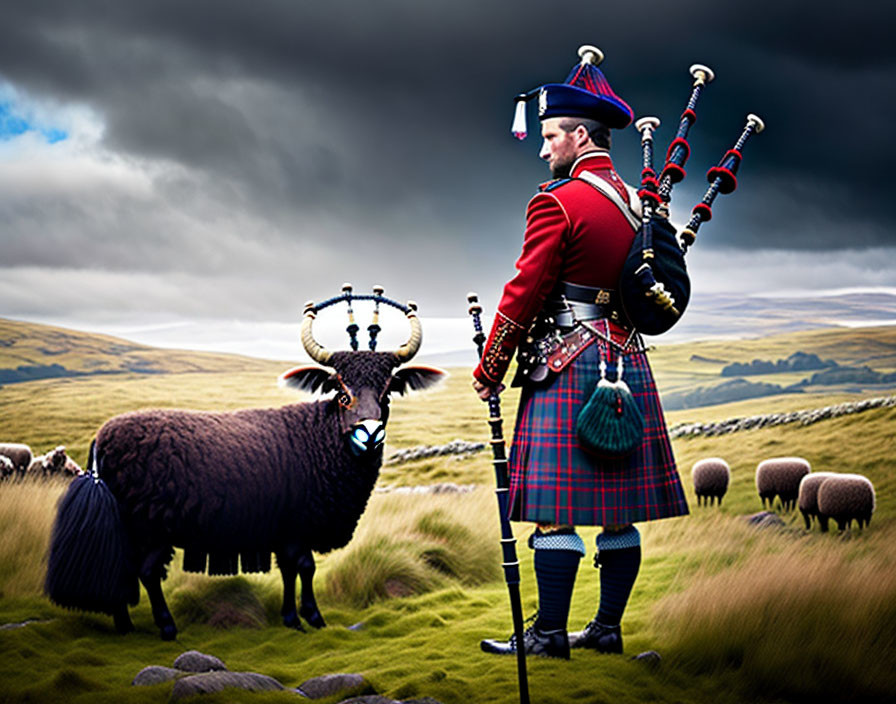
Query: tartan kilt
554, 480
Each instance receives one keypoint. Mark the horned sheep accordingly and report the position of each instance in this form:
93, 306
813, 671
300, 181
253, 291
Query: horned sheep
845, 498
807, 499
19, 454
780, 477
230, 488
711, 477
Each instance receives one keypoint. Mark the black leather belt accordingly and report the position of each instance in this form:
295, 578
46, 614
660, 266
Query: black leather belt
569, 303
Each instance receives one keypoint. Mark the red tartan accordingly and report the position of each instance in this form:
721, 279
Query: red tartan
553, 480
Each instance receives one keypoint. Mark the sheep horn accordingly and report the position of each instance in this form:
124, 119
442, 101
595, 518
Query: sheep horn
316, 351
409, 348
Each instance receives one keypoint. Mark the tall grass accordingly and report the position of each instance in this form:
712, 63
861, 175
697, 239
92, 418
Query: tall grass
800, 619
413, 544
27, 510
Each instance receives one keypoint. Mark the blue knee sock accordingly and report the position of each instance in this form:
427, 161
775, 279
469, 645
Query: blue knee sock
619, 559
556, 564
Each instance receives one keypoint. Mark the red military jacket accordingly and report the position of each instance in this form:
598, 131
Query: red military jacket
574, 233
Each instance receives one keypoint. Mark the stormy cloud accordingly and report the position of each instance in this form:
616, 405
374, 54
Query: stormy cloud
232, 159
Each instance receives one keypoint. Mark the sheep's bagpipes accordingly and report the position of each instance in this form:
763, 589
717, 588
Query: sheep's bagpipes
654, 287
347, 296
510, 562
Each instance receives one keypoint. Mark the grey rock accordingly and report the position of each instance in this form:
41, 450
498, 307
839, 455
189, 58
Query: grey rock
424, 700
156, 674
328, 685
765, 519
370, 699
194, 661
359, 626
651, 658
211, 682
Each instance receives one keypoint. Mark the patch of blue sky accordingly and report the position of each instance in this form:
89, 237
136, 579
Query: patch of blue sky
13, 125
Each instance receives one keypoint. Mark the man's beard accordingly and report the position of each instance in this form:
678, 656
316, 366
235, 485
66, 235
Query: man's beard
561, 169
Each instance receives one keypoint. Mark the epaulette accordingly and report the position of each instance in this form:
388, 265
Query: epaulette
549, 186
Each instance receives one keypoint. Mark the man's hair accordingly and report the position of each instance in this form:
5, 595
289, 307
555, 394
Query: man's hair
597, 131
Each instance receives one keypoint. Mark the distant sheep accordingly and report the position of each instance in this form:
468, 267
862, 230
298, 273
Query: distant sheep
49, 464
807, 500
19, 454
72, 468
780, 477
711, 477
846, 498
6, 467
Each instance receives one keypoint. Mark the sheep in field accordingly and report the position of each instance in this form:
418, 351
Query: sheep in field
230, 488
19, 454
6, 467
711, 477
846, 498
807, 499
49, 464
780, 477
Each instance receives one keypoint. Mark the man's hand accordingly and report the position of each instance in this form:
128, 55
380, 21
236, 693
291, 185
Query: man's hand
484, 391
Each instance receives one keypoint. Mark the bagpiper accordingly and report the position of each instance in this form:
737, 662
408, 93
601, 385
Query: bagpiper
561, 314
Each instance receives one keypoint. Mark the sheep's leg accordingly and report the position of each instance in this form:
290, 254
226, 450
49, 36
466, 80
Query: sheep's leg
123, 623
308, 609
152, 572
288, 561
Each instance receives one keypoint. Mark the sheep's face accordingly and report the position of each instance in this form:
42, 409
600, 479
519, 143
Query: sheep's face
362, 382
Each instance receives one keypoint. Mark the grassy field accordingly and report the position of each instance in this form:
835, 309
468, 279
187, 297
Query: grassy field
739, 614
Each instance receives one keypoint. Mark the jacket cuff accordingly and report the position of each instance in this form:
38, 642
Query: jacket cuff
499, 349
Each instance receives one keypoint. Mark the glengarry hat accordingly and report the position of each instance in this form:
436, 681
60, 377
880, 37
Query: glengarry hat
585, 93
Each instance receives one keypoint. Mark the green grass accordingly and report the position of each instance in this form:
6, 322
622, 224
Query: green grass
738, 614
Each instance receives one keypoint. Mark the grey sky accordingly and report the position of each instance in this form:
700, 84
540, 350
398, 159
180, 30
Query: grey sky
231, 159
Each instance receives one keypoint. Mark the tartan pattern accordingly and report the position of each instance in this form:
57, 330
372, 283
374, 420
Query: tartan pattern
553, 480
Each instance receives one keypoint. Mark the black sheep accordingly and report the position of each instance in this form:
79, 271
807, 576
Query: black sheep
232, 487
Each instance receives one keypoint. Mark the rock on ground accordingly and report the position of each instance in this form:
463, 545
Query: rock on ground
210, 682
156, 674
765, 519
194, 661
327, 685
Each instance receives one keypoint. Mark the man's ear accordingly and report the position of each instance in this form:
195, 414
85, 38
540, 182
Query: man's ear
415, 379
582, 136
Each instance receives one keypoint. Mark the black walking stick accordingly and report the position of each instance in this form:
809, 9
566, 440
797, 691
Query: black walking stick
510, 564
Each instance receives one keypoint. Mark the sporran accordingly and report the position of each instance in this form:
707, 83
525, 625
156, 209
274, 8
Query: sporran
611, 423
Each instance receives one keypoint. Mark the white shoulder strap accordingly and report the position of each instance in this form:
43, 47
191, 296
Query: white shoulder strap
631, 213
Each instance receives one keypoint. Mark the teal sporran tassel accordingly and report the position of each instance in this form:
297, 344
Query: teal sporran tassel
610, 424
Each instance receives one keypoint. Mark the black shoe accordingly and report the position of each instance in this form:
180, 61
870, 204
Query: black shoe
603, 639
549, 644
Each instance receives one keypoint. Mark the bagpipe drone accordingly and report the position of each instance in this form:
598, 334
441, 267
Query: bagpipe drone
654, 286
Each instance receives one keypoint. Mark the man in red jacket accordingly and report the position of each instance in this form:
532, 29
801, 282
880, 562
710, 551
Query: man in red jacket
579, 228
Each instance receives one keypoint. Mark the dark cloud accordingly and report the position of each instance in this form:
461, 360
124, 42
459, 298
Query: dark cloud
380, 130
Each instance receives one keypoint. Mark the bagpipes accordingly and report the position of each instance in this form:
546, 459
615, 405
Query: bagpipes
654, 286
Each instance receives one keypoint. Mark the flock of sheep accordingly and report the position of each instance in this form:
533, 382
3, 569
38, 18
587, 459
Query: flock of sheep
17, 461
825, 496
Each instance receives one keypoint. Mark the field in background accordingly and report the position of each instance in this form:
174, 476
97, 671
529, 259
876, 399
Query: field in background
738, 613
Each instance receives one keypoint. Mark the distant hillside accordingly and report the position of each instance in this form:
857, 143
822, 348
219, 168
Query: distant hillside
29, 351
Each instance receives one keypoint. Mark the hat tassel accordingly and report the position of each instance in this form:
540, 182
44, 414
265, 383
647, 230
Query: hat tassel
519, 128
